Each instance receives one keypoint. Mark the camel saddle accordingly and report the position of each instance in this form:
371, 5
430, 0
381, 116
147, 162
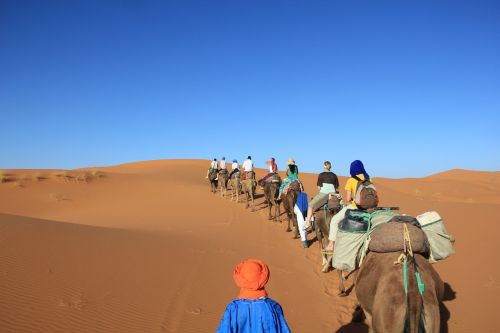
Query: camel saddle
274, 179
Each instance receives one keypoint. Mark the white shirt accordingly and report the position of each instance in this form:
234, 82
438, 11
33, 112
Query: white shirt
248, 165
234, 165
222, 164
213, 165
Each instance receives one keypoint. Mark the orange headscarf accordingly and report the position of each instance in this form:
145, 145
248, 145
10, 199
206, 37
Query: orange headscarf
251, 276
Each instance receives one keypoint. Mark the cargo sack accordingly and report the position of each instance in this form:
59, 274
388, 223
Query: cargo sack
366, 194
440, 241
380, 217
346, 252
388, 237
352, 237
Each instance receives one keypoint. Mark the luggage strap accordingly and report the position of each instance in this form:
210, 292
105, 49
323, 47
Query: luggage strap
403, 259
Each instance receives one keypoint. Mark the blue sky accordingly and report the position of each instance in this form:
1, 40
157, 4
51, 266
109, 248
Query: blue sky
410, 88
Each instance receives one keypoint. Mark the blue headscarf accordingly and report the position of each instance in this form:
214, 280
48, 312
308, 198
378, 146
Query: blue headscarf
358, 168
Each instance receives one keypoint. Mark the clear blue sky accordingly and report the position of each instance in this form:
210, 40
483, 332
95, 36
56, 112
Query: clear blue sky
409, 87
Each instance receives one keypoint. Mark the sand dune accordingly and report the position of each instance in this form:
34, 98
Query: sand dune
145, 247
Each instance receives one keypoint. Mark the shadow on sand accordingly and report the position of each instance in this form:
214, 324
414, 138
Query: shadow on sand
449, 295
356, 325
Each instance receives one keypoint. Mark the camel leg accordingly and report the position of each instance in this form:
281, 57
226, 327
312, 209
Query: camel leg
296, 234
253, 203
277, 212
326, 264
368, 321
342, 292
288, 229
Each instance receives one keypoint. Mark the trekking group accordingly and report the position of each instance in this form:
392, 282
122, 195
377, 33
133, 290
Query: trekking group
349, 230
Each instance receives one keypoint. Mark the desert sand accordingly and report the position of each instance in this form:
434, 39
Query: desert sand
145, 247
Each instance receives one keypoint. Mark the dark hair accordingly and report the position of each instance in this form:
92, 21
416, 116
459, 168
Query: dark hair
249, 157
327, 165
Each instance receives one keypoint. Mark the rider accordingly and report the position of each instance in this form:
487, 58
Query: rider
247, 166
357, 170
222, 164
327, 183
213, 166
273, 169
292, 172
234, 168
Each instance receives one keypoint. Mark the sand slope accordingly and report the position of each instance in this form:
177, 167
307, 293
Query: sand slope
147, 248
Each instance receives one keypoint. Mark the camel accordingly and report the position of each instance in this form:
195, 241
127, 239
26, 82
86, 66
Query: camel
271, 191
223, 179
212, 178
380, 292
289, 200
322, 218
236, 186
248, 186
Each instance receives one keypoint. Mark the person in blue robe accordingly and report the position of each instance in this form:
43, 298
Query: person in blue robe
253, 311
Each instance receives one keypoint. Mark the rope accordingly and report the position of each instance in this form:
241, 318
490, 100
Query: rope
407, 239
408, 251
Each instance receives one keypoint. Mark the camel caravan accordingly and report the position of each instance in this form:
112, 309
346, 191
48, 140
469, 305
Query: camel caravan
390, 254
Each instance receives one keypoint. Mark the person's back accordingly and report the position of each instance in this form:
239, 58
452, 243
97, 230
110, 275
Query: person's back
292, 171
263, 315
213, 165
253, 311
357, 170
327, 183
273, 170
234, 168
248, 165
222, 164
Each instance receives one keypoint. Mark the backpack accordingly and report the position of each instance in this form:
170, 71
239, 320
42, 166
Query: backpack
366, 194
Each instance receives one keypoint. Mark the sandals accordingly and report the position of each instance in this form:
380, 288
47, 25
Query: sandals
309, 228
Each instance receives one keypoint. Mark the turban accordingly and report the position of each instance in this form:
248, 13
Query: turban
357, 168
251, 276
